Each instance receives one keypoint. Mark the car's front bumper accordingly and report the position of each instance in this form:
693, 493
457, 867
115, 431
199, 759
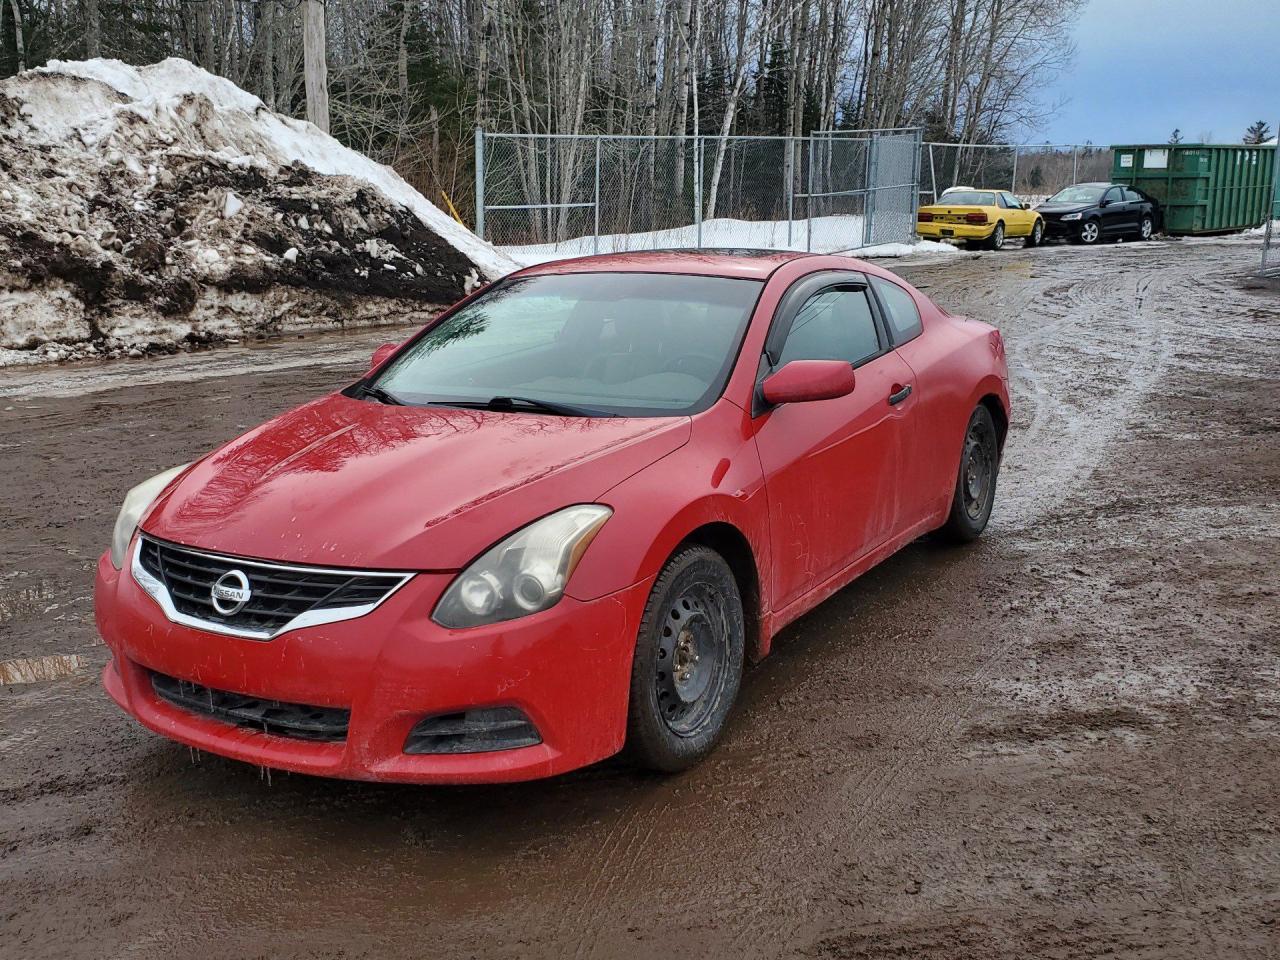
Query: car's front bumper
1062, 229
936, 230
567, 668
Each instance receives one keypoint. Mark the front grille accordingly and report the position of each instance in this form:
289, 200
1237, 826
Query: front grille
278, 594
270, 716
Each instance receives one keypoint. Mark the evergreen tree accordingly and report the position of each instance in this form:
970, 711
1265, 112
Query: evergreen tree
1259, 132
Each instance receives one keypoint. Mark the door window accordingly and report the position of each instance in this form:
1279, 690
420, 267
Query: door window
835, 324
1114, 195
1132, 195
1010, 201
899, 310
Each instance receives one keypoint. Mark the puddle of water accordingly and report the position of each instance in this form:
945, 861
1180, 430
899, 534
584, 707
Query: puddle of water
39, 669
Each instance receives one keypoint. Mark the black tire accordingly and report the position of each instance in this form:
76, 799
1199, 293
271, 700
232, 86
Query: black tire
996, 240
1036, 237
694, 610
975, 491
1090, 232
1146, 227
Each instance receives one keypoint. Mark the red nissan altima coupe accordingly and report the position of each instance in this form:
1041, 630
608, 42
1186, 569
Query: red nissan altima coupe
555, 522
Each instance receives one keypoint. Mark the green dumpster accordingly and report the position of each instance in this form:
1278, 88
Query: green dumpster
1202, 187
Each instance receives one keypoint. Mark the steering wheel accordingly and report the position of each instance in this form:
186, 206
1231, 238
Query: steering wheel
695, 365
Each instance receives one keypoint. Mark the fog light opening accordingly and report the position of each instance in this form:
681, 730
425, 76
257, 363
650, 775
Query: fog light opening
473, 731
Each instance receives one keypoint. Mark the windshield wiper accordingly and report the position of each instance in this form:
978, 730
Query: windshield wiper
382, 396
523, 403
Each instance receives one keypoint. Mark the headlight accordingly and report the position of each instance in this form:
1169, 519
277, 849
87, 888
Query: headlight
523, 574
1071, 216
135, 505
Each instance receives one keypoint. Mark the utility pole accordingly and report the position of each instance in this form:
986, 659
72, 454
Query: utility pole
315, 68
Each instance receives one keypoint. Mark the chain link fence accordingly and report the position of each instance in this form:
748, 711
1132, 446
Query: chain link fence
546, 196
1031, 171
1271, 232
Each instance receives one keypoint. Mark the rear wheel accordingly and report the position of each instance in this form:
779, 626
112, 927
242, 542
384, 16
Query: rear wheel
975, 491
1036, 237
996, 240
688, 662
1090, 232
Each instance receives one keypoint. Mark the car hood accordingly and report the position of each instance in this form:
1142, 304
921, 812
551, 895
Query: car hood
1064, 207
342, 482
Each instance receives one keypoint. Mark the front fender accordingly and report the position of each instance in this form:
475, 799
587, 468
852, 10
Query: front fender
715, 478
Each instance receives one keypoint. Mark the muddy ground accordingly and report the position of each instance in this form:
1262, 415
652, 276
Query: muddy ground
1060, 742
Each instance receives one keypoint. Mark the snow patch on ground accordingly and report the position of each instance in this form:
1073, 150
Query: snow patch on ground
835, 233
146, 209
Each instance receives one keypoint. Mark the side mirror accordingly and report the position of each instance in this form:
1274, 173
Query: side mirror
803, 380
1026, 204
1104, 202
381, 354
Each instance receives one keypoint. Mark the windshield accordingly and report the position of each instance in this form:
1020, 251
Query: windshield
968, 198
622, 344
1078, 195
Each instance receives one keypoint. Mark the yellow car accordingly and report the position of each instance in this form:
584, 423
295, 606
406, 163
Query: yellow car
980, 217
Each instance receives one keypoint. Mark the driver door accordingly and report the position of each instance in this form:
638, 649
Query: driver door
1020, 220
831, 466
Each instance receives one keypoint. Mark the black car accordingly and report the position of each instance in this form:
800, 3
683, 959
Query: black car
1089, 212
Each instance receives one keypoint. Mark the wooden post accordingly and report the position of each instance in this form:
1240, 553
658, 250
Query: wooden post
315, 69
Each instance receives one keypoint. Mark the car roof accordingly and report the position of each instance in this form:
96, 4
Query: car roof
717, 262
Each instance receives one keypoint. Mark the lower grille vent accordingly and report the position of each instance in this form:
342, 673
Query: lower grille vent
269, 716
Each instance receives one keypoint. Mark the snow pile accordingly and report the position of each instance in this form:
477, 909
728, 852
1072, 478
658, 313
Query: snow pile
145, 208
834, 233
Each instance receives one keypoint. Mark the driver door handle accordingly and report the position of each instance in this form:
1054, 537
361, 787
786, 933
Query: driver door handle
901, 394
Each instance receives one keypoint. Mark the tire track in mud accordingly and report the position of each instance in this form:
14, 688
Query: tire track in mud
1052, 338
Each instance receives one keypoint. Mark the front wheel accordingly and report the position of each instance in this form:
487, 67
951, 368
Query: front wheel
1090, 232
688, 662
1145, 229
1037, 234
975, 491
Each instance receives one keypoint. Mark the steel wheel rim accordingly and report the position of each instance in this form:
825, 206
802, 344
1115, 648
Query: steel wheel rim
1089, 233
692, 662
1037, 232
1146, 229
977, 476
997, 239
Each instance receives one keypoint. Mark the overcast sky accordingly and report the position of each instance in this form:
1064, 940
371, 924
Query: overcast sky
1143, 67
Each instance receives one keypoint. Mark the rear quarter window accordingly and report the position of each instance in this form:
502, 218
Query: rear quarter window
900, 311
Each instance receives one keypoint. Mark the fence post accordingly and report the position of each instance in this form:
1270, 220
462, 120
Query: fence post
480, 182
697, 188
1075, 164
790, 166
1269, 235
1013, 186
869, 205
595, 230
933, 177
808, 203
917, 168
